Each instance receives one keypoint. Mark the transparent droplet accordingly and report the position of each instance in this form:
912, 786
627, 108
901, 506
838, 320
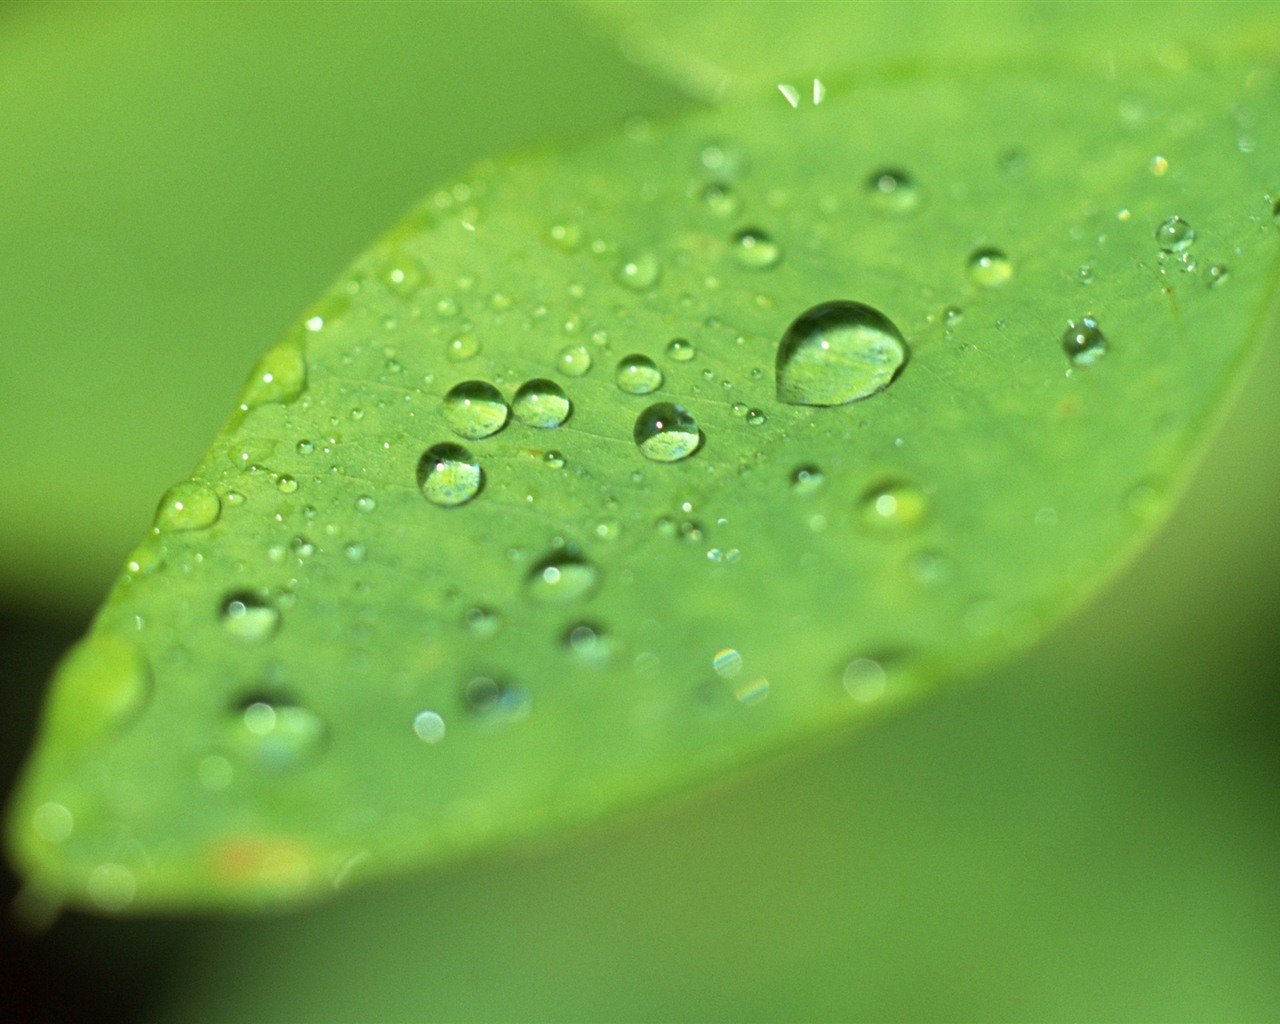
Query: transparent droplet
562, 577
482, 621
681, 350
280, 376
553, 459
864, 679
588, 642
807, 479
667, 432
896, 506
727, 663
276, 733
894, 191
249, 616
355, 552
1083, 342
462, 348
721, 200
573, 361
190, 505
639, 272
365, 503
475, 409
838, 352
756, 417
1175, 235
638, 375
755, 250
989, 267
286, 484
541, 403
305, 447
448, 475
495, 700
1216, 275
428, 726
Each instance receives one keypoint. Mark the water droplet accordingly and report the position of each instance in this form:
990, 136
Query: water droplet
190, 505
112, 887
496, 700
864, 679
573, 361
896, 506
249, 616
482, 621
462, 348
588, 642
721, 200
639, 272
681, 350
286, 484
553, 459
727, 663
448, 475
541, 403
638, 375
280, 376
953, 315
1216, 275
1175, 235
838, 352
989, 267
53, 822
666, 432
355, 552
562, 577
475, 409
428, 726
276, 733
1083, 342
365, 503
756, 417
807, 479
894, 191
755, 250
305, 447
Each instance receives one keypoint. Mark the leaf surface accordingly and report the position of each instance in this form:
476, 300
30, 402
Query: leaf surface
312, 673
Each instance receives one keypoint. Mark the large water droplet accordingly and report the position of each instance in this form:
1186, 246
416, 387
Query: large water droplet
280, 376
864, 680
249, 616
541, 403
894, 191
667, 432
838, 352
638, 375
475, 409
1175, 235
639, 272
989, 267
562, 577
276, 733
1083, 342
681, 350
190, 505
448, 475
755, 250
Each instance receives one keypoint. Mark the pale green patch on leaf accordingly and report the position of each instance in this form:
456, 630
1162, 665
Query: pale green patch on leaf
425, 620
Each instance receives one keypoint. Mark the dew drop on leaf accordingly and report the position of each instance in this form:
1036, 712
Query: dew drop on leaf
863, 679
894, 190
806, 479
666, 432
588, 642
1175, 235
482, 621
573, 361
681, 350
1216, 275
838, 352
561, 578
475, 409
637, 375
495, 700
541, 403
1083, 342
281, 374
721, 200
276, 734
249, 616
755, 250
894, 506
448, 475
989, 267
190, 505
639, 272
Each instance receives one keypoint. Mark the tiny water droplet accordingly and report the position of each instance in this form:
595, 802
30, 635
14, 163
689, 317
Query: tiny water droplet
482, 621
1175, 235
894, 191
355, 552
953, 315
541, 403
562, 577
280, 376
475, 409
249, 616
897, 506
573, 361
495, 700
755, 250
428, 726
838, 352
190, 505
864, 679
305, 447
1216, 275
365, 503
553, 459
448, 475
588, 642
989, 267
638, 375
462, 348
286, 484
721, 200
666, 432
1083, 342
639, 272
727, 663
807, 479
681, 350
276, 733
756, 417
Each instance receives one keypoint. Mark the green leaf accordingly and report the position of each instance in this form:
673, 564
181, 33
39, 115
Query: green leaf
312, 673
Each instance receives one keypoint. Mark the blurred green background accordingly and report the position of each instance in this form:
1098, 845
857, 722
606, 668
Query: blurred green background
1092, 833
